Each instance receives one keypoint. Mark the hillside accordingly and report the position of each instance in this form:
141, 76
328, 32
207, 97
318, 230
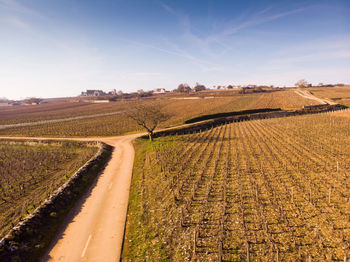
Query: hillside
274, 189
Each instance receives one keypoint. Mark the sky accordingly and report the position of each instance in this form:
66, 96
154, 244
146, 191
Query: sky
59, 48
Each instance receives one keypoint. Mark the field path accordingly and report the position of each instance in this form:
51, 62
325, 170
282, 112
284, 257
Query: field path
94, 228
308, 95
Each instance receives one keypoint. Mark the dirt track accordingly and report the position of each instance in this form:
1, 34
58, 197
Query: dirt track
308, 95
94, 228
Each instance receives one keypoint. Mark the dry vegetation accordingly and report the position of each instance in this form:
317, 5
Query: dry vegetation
284, 99
32, 113
181, 109
339, 94
264, 190
31, 171
97, 126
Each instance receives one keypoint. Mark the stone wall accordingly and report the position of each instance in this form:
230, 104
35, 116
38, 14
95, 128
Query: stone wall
205, 125
28, 240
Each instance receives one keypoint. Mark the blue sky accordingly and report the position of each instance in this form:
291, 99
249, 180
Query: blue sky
61, 47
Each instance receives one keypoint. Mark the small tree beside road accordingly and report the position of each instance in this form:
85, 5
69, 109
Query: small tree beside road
148, 116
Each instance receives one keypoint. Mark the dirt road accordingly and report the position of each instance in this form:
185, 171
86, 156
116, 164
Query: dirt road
94, 228
308, 95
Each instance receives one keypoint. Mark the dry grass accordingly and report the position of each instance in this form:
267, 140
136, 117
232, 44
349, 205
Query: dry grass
339, 94
287, 99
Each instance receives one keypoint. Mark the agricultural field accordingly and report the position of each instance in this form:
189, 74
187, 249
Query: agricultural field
287, 99
262, 190
32, 113
20, 114
96, 126
30, 171
338, 94
180, 109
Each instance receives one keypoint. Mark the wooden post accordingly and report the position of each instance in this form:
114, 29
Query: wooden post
194, 243
315, 231
310, 194
220, 251
248, 258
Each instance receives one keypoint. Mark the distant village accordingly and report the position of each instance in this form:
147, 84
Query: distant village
182, 88
114, 92
185, 88
100, 96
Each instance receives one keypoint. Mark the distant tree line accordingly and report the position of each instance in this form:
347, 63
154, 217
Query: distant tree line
185, 88
304, 84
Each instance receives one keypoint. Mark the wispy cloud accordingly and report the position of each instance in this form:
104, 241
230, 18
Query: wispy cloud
168, 8
18, 7
176, 51
194, 40
330, 43
141, 75
315, 57
263, 11
18, 15
309, 54
16, 22
216, 44
257, 20
28, 19
146, 74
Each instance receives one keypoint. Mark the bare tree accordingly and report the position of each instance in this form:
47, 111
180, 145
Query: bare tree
148, 116
184, 88
198, 87
302, 83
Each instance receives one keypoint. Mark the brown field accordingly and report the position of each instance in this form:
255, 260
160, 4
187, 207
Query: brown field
343, 113
181, 109
32, 113
287, 99
31, 171
338, 94
264, 190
